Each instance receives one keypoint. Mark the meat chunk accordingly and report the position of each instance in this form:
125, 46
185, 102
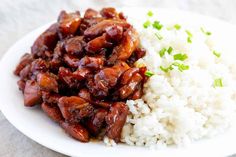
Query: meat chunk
71, 61
94, 63
129, 88
90, 13
84, 93
52, 111
95, 123
75, 46
109, 13
74, 108
125, 49
115, 120
32, 93
25, 60
68, 23
98, 44
106, 79
45, 42
76, 131
51, 98
48, 82
101, 27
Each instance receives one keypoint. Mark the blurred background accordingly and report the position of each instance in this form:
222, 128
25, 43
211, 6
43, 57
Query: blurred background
18, 17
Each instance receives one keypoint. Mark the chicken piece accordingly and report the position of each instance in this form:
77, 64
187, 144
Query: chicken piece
137, 94
48, 82
115, 120
56, 61
124, 50
102, 103
88, 22
90, 13
39, 65
71, 61
101, 27
25, 60
94, 63
21, 85
25, 73
45, 42
76, 131
51, 98
109, 13
72, 80
98, 44
114, 33
52, 111
68, 23
127, 75
106, 79
75, 46
137, 54
74, 108
95, 123
84, 93
32, 93
129, 88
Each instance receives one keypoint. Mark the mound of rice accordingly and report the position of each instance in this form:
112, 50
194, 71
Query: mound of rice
181, 105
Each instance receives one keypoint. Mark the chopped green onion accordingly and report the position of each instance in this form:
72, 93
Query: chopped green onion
177, 26
146, 24
162, 52
158, 36
217, 54
170, 49
164, 69
218, 82
149, 73
150, 13
157, 25
189, 33
189, 40
180, 57
180, 66
205, 32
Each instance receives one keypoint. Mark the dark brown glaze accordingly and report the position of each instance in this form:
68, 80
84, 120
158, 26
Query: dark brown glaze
81, 71
116, 119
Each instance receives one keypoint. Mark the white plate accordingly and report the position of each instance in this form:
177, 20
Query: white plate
36, 125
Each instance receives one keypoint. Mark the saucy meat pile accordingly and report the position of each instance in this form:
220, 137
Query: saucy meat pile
81, 72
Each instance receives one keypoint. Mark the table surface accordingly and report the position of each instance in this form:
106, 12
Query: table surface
18, 17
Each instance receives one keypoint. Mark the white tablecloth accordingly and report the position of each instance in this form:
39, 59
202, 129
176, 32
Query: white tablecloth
18, 17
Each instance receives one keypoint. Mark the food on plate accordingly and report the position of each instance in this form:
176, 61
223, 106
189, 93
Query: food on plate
141, 81
81, 71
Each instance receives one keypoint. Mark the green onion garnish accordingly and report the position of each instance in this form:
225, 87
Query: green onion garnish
217, 54
218, 82
180, 66
149, 73
170, 49
146, 24
180, 57
162, 52
157, 25
205, 32
165, 69
150, 13
189, 40
158, 36
189, 33
177, 26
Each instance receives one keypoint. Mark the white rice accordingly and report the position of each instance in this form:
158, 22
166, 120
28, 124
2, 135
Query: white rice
180, 107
